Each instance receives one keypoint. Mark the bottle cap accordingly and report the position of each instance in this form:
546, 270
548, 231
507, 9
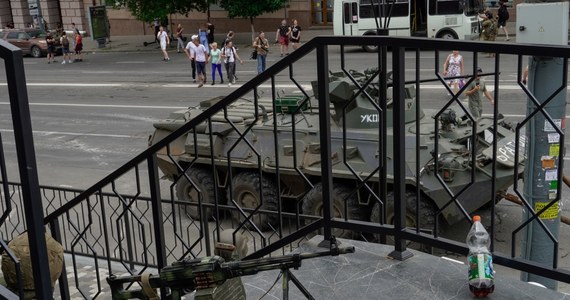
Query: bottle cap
476, 218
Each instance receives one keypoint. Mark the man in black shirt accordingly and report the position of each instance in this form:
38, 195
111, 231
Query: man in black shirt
211, 29
282, 36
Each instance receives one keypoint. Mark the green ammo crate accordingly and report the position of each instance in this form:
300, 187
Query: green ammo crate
289, 103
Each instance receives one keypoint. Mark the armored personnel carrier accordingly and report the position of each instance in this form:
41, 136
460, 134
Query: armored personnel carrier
243, 143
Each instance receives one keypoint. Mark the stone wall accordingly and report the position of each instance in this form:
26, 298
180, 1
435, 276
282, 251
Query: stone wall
20, 13
5, 13
122, 23
72, 11
50, 13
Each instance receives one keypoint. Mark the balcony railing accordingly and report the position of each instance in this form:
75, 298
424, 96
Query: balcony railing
343, 158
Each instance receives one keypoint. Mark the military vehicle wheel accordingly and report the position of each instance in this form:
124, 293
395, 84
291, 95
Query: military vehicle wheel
427, 211
427, 214
246, 194
203, 184
313, 205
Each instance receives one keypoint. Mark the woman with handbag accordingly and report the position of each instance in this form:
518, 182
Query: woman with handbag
261, 48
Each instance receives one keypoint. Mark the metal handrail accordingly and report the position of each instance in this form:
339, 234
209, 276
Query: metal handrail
320, 46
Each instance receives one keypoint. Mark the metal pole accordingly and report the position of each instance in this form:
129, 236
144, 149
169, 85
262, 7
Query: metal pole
157, 219
398, 107
547, 82
33, 207
542, 171
325, 140
63, 282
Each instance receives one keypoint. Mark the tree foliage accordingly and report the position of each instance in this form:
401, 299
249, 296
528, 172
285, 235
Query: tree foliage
148, 10
250, 9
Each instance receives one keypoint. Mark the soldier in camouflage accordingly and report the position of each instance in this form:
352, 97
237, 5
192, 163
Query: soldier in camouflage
20, 247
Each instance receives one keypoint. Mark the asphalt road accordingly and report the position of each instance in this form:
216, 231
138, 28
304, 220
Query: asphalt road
91, 117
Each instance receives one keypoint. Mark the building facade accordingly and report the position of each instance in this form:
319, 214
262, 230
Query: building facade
308, 12
22, 14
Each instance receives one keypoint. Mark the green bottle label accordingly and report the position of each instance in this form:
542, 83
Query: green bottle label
480, 267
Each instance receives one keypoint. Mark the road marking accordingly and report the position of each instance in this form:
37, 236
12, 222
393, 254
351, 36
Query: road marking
265, 86
190, 85
45, 133
104, 105
167, 85
60, 84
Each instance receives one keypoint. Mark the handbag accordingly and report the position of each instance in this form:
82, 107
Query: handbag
254, 54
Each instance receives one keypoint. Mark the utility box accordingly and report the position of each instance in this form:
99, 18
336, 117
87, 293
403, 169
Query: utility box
289, 104
542, 23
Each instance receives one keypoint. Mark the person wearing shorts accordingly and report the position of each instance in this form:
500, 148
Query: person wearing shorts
282, 36
78, 46
64, 41
50, 48
162, 36
201, 58
503, 14
295, 34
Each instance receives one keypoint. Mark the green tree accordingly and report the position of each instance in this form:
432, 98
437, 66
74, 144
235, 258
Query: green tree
148, 10
249, 9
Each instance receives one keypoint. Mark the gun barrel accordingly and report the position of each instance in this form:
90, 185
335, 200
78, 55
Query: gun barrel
254, 266
188, 275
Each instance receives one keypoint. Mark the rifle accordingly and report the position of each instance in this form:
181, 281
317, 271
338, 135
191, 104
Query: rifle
188, 275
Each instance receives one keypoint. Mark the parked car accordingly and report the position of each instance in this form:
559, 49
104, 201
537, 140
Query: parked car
31, 41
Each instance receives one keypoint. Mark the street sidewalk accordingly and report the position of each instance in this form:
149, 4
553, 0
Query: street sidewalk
242, 40
135, 43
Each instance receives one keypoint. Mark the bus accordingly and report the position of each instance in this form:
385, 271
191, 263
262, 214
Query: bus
448, 19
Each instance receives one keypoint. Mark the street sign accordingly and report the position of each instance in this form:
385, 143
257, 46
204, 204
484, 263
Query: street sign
34, 12
32, 5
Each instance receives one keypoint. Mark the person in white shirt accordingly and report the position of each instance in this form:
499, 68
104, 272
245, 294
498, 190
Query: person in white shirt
189, 50
162, 36
199, 55
229, 55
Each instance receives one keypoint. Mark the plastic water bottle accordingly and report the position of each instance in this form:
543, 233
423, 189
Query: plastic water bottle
480, 261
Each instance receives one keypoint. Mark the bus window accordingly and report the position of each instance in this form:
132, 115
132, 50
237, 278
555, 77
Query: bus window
347, 13
399, 8
473, 7
445, 7
350, 13
354, 12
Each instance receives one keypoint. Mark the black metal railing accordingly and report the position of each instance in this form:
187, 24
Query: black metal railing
19, 107
347, 162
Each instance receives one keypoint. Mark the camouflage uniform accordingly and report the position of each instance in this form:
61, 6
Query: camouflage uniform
21, 249
489, 29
